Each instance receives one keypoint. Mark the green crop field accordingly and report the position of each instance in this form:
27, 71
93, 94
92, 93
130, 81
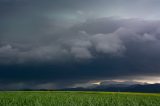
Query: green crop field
55, 98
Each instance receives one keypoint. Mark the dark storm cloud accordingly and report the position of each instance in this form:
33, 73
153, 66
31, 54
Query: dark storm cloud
45, 43
128, 49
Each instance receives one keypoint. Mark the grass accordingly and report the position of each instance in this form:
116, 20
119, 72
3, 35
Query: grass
55, 98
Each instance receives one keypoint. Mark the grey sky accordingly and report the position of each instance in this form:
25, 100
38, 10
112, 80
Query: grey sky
59, 43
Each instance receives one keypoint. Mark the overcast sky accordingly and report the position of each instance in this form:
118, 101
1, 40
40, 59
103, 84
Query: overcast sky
62, 43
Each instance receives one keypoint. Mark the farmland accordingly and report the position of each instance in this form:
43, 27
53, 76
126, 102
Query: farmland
66, 98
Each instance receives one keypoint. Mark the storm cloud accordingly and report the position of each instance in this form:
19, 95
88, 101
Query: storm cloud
51, 45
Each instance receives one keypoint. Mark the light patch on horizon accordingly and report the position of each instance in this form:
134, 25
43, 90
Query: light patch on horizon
149, 80
97, 83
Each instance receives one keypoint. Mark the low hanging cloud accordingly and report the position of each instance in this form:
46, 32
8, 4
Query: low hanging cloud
77, 44
110, 37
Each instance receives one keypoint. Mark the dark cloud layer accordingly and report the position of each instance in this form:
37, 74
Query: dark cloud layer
55, 44
129, 48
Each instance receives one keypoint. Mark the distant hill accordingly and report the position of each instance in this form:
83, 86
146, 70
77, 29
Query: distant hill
151, 88
109, 87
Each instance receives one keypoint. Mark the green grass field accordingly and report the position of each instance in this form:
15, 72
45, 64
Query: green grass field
55, 98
